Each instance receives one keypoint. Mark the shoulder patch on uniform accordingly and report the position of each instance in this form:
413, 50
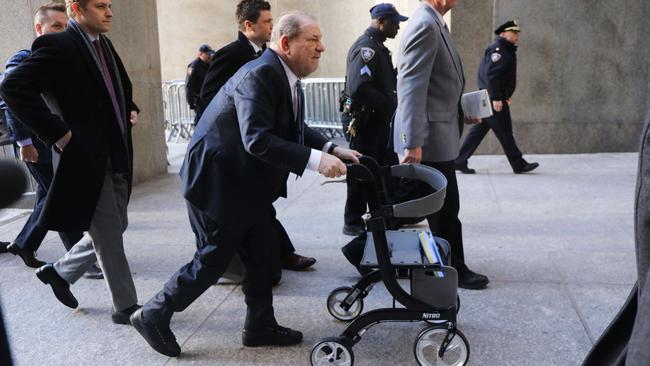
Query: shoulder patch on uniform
367, 54
495, 57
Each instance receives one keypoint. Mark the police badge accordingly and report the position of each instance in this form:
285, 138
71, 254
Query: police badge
367, 54
496, 57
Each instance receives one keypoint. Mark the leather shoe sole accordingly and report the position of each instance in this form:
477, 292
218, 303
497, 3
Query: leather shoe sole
466, 170
271, 336
61, 288
27, 256
526, 168
155, 335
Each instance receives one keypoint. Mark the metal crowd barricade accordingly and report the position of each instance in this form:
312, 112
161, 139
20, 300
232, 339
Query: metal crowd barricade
179, 118
322, 105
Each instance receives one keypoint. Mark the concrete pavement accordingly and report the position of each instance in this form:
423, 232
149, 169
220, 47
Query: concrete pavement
557, 245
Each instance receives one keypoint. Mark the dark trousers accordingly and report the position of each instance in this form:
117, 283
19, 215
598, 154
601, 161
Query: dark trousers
31, 236
445, 223
251, 240
501, 124
356, 202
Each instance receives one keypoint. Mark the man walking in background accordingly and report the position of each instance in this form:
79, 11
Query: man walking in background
429, 119
88, 119
196, 72
498, 74
49, 18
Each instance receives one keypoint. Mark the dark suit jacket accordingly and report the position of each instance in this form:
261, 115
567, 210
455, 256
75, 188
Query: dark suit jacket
225, 63
245, 145
63, 70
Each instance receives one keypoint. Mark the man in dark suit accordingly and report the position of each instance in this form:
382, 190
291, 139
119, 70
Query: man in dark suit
429, 120
86, 112
49, 18
255, 24
251, 136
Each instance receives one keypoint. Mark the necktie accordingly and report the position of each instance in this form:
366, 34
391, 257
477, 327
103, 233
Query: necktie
446, 28
109, 85
259, 53
300, 112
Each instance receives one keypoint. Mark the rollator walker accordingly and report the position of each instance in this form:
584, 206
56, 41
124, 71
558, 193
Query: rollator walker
433, 295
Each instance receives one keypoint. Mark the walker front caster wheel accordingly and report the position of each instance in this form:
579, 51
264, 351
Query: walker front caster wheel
335, 300
429, 341
332, 351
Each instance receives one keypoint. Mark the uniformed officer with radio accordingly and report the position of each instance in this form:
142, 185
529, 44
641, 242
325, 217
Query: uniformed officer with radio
498, 74
369, 102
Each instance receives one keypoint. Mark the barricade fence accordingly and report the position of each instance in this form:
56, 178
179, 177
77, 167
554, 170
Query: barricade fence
321, 107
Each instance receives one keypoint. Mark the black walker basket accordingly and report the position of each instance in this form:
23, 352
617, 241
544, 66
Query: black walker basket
434, 285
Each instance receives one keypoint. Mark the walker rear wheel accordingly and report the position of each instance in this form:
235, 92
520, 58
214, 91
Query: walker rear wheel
427, 346
332, 351
336, 298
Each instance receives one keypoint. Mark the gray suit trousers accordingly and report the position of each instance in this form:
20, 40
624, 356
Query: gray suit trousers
106, 247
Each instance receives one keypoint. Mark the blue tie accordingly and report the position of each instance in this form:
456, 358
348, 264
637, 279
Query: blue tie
300, 120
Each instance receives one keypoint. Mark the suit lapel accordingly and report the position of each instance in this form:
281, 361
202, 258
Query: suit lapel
88, 58
278, 65
448, 43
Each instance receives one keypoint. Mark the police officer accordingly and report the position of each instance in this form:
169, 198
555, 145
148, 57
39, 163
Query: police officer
369, 102
196, 72
498, 74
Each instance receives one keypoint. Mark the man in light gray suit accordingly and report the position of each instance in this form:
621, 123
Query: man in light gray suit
429, 120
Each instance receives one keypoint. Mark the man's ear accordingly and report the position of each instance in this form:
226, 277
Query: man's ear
38, 27
284, 44
248, 25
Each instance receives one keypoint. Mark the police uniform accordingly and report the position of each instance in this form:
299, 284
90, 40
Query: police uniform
371, 85
196, 72
498, 74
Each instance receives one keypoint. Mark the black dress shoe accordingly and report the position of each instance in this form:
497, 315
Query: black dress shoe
3, 246
61, 287
296, 262
122, 317
353, 230
525, 167
26, 255
471, 280
273, 335
463, 168
159, 336
95, 273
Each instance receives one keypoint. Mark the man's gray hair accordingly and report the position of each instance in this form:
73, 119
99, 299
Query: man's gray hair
289, 25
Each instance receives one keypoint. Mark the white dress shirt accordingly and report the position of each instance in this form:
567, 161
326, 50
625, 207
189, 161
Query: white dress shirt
315, 156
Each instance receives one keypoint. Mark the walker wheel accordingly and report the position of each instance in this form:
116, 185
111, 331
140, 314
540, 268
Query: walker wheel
334, 301
332, 351
435, 322
427, 346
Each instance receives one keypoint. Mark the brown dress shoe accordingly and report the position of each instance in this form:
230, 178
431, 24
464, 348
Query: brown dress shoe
296, 262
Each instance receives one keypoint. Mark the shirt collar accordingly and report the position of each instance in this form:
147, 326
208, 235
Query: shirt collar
256, 48
88, 36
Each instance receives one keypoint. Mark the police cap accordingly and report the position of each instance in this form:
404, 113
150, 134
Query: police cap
206, 48
386, 11
510, 25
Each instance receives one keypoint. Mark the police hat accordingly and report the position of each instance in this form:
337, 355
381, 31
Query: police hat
510, 25
386, 11
206, 48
